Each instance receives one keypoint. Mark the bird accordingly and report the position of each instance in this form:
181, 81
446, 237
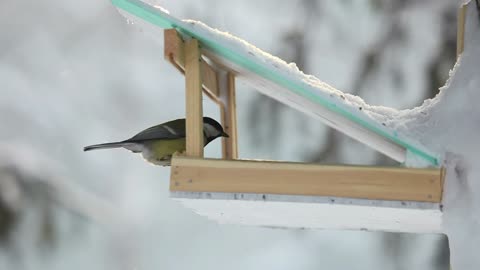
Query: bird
157, 144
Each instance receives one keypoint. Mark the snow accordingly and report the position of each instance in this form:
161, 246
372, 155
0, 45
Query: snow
376, 113
314, 212
449, 124
287, 69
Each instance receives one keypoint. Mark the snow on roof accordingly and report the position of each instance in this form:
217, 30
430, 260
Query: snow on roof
450, 124
283, 81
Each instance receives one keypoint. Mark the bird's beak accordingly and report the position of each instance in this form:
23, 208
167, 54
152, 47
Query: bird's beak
225, 135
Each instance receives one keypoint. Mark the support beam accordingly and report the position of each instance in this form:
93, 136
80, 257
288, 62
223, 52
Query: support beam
193, 96
461, 29
210, 81
228, 111
174, 49
266, 177
174, 53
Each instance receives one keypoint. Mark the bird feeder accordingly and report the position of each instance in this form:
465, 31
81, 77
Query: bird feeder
286, 194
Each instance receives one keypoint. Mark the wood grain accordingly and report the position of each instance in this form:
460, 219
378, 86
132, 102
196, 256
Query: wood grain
229, 118
246, 176
174, 53
193, 96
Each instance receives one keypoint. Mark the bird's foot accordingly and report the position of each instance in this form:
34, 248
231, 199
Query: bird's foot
179, 153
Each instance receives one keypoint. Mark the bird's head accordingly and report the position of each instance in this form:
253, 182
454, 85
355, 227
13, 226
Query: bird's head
212, 129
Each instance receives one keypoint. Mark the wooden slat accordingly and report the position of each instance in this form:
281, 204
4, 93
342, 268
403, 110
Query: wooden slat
241, 176
193, 96
174, 53
210, 80
229, 118
461, 29
174, 49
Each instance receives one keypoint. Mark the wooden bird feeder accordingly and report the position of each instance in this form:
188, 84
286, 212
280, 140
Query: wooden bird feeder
285, 194
193, 173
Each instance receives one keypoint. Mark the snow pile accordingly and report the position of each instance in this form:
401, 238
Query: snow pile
450, 124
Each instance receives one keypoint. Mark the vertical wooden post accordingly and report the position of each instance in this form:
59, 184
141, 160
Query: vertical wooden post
461, 29
193, 96
229, 117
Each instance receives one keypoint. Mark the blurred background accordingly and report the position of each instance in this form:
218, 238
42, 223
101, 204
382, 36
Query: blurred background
74, 73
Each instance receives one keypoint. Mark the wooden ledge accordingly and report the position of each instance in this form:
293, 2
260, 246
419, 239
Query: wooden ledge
267, 177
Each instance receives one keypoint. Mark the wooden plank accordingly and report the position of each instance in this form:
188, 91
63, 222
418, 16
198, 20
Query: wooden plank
193, 96
174, 53
225, 141
210, 80
229, 117
242, 176
231, 109
461, 29
174, 49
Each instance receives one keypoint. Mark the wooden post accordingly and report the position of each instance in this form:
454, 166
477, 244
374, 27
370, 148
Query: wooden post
176, 52
461, 29
174, 49
193, 96
228, 111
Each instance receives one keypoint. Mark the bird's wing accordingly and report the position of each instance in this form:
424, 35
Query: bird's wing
174, 129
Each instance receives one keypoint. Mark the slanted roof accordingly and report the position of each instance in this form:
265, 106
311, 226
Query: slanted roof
287, 84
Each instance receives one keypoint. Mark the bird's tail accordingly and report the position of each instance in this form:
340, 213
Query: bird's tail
104, 146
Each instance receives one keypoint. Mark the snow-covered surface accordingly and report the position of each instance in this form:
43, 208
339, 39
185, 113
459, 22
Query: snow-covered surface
286, 83
315, 212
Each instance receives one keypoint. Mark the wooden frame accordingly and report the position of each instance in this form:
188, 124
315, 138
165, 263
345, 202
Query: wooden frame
195, 174
217, 85
268, 177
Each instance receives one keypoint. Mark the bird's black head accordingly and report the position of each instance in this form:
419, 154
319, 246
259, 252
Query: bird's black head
212, 129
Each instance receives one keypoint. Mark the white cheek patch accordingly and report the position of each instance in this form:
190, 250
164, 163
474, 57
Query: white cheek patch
210, 130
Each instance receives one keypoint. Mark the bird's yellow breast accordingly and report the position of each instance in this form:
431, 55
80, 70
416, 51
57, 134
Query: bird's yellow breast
164, 149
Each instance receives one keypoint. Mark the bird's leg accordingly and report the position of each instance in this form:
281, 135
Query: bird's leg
179, 153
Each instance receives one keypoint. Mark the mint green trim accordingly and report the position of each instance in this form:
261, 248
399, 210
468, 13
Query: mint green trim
156, 17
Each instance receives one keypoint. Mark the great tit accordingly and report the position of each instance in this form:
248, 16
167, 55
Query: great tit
158, 143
